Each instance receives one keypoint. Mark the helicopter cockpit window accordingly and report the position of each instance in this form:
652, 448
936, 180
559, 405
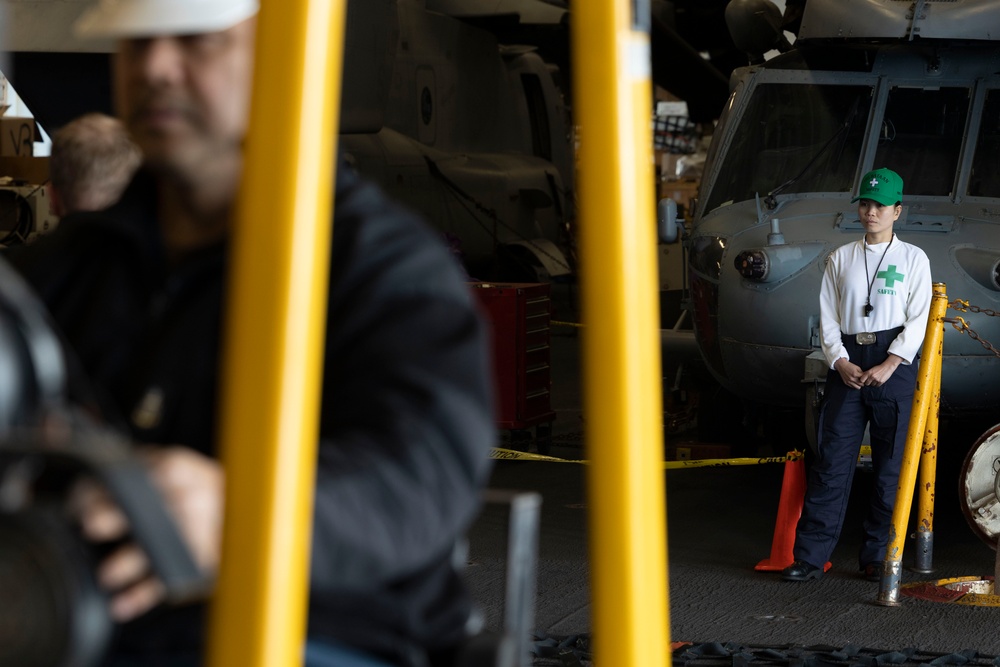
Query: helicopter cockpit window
796, 138
921, 136
985, 181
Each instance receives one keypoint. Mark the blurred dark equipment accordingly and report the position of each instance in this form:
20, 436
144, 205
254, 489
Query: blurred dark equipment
17, 218
53, 614
756, 27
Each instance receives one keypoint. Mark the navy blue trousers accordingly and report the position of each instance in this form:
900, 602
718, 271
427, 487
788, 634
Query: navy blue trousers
844, 414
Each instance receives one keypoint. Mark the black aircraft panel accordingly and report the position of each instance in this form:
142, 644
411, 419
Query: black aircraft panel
59, 87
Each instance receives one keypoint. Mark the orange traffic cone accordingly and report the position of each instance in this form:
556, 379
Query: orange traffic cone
793, 493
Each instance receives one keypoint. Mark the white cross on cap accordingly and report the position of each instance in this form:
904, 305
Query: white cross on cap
874, 182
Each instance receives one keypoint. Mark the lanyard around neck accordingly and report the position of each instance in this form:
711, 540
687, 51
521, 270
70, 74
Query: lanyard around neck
871, 282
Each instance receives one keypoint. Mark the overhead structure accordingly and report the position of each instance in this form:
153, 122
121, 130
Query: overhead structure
923, 19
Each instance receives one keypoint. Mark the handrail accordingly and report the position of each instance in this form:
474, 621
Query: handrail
925, 398
274, 333
622, 389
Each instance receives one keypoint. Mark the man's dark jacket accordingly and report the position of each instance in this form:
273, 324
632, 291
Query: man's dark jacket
406, 421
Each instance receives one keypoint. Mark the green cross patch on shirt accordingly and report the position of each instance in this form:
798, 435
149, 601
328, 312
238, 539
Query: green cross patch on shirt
890, 276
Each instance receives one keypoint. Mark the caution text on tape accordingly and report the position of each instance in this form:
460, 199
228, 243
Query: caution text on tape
501, 454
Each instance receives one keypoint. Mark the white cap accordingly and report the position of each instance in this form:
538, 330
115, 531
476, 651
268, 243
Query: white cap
148, 18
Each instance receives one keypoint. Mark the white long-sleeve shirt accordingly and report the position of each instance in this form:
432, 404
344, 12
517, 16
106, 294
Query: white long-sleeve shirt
900, 296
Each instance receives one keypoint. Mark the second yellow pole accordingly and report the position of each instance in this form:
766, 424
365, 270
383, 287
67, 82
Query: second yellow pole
930, 364
622, 373
924, 556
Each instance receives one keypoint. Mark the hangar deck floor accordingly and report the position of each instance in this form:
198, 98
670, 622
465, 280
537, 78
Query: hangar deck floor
720, 524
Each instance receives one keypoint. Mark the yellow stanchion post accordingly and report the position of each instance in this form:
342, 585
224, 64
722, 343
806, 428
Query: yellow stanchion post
924, 557
622, 384
274, 336
930, 365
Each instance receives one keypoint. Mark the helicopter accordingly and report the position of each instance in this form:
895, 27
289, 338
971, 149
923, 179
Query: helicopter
460, 109
469, 132
909, 86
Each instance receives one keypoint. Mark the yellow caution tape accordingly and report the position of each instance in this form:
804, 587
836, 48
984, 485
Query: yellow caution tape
979, 600
501, 454
722, 463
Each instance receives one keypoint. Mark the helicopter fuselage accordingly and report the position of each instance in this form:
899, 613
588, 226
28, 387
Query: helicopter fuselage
797, 134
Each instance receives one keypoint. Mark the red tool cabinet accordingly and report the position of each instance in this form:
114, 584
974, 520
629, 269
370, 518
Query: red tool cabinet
519, 314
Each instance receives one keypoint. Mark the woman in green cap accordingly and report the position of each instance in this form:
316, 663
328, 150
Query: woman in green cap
874, 304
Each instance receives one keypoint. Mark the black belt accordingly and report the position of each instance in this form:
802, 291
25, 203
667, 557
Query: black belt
873, 337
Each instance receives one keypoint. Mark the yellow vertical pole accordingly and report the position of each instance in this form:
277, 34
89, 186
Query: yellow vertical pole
622, 383
930, 365
924, 557
274, 336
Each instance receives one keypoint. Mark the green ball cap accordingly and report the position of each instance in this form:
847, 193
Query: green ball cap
882, 185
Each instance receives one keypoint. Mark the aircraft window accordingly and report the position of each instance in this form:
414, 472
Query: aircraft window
706, 255
985, 181
541, 135
921, 137
796, 137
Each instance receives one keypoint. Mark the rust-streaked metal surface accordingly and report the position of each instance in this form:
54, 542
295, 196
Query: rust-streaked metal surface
980, 487
976, 591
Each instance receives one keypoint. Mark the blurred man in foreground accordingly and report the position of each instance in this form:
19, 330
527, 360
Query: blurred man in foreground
406, 422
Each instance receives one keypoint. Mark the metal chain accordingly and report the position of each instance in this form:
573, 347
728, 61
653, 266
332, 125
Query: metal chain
963, 305
962, 327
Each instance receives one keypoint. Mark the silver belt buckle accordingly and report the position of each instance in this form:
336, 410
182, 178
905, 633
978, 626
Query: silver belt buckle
865, 338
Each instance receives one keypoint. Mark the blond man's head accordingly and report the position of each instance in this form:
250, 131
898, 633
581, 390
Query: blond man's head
92, 161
